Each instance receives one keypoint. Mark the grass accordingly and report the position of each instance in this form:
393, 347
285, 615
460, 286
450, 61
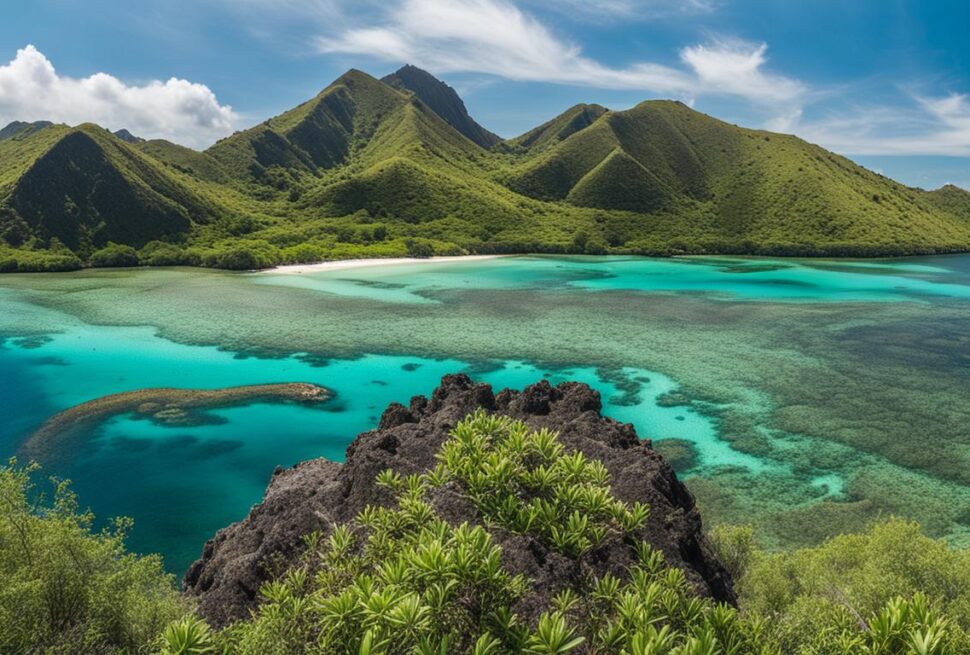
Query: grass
658, 179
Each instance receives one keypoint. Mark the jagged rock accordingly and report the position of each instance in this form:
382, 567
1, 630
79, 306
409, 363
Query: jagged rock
316, 494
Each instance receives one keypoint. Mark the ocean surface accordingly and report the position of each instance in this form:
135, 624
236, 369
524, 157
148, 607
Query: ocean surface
806, 397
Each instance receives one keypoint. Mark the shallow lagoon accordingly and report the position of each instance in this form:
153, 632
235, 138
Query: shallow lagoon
810, 397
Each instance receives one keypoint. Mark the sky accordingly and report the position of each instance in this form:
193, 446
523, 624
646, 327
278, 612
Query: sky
885, 82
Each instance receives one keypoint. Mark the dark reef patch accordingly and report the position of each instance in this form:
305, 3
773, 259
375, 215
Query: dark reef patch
169, 407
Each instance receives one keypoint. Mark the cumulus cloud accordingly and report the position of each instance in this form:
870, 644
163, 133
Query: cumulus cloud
178, 110
496, 37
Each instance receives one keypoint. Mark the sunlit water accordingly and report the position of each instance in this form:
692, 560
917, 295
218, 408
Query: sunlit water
814, 396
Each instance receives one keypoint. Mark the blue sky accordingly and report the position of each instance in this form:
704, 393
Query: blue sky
885, 82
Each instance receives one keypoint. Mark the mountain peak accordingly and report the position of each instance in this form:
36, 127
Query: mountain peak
573, 120
442, 100
127, 136
20, 128
352, 76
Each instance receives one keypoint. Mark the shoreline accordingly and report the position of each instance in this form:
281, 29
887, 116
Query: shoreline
343, 264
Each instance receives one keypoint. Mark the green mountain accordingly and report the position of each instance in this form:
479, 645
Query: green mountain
569, 122
79, 189
19, 128
443, 100
385, 168
756, 187
127, 136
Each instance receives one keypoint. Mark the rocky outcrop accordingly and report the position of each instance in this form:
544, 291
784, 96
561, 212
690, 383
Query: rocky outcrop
316, 494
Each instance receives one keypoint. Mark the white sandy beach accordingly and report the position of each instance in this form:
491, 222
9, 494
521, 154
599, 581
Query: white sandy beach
342, 264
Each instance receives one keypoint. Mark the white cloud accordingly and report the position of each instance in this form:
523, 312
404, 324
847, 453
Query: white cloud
928, 126
179, 110
499, 38
496, 37
735, 67
636, 10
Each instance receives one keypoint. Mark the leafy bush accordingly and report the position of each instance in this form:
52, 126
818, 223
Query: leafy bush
524, 481
158, 253
851, 580
246, 256
420, 249
114, 255
400, 579
65, 589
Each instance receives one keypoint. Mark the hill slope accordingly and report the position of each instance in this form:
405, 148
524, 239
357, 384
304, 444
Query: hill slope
83, 188
756, 189
320, 134
387, 168
574, 119
19, 128
443, 100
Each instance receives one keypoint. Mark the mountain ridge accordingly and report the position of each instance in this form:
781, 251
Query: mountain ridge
443, 100
370, 168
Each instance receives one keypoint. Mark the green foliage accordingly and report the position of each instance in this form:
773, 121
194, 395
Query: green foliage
400, 580
247, 256
188, 636
893, 581
114, 255
419, 248
66, 589
526, 482
412, 583
658, 179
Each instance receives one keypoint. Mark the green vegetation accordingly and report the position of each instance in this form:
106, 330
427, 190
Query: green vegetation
850, 582
66, 589
559, 128
402, 579
442, 100
403, 155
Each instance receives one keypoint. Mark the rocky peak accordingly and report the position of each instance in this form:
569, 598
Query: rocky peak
314, 495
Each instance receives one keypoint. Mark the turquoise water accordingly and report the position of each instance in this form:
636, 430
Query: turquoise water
727, 277
181, 483
801, 382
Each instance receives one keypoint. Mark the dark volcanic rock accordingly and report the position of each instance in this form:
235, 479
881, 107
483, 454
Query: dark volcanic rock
316, 494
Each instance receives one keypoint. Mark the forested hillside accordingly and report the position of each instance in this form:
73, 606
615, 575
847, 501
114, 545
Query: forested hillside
397, 166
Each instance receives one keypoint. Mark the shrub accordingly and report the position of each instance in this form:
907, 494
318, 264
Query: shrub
114, 255
65, 588
244, 257
158, 253
852, 580
420, 249
399, 579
